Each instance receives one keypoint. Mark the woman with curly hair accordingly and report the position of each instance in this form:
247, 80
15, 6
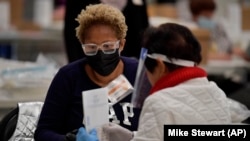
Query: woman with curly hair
135, 12
101, 32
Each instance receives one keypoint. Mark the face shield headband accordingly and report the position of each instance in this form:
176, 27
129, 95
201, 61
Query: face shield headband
179, 62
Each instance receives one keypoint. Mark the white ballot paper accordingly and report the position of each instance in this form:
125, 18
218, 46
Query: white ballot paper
96, 108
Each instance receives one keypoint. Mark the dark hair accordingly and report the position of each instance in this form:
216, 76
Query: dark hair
197, 6
174, 41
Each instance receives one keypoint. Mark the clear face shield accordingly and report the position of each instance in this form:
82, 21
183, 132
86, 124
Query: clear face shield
142, 85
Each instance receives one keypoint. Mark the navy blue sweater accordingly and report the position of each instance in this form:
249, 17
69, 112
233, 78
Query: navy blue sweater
63, 111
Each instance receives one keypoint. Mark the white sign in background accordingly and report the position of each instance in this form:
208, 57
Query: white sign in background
5, 15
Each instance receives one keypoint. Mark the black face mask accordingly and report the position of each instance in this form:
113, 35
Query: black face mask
104, 64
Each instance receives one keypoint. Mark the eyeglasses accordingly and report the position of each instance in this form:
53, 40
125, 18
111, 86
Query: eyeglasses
107, 48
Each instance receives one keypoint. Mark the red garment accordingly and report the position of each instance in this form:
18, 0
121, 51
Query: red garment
178, 76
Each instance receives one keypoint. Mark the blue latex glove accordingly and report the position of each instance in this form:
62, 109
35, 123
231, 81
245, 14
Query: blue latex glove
82, 135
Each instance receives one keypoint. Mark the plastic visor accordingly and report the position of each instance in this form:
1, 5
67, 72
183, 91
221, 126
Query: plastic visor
142, 85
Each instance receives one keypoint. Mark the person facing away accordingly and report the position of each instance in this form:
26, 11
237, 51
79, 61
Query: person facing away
136, 16
181, 92
101, 32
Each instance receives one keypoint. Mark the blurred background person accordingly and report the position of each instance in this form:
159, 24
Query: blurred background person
222, 48
136, 18
59, 10
202, 12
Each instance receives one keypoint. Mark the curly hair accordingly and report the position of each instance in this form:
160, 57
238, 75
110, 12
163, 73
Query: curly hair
101, 14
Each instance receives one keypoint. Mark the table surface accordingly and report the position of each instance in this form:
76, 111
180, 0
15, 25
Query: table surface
10, 97
222, 66
17, 84
44, 35
10, 100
